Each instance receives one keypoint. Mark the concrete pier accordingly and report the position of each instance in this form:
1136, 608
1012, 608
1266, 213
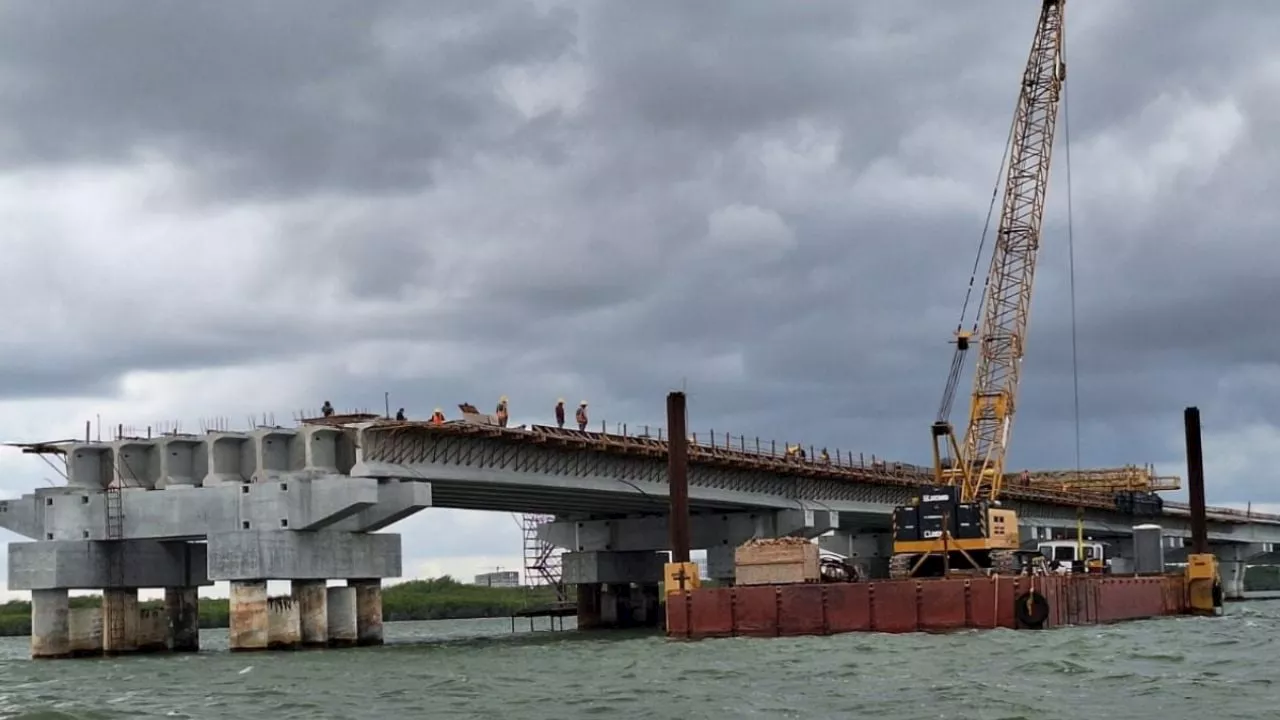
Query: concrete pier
368, 611
618, 605
50, 633
283, 629
153, 630
182, 605
341, 616
250, 625
85, 626
313, 611
120, 610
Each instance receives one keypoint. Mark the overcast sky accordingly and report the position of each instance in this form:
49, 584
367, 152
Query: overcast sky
221, 209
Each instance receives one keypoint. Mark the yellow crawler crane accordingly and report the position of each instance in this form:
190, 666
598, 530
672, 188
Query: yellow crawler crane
959, 522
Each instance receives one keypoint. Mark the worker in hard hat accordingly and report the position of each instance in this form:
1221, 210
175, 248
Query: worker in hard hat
437, 417
400, 415
581, 415
501, 412
326, 409
793, 451
825, 457
560, 413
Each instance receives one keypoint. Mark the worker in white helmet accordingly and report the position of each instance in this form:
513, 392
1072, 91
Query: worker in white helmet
581, 415
560, 413
502, 411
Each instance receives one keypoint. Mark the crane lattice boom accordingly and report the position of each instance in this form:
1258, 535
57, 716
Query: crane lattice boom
1001, 335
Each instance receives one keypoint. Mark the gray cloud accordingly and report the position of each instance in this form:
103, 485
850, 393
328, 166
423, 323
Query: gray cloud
776, 206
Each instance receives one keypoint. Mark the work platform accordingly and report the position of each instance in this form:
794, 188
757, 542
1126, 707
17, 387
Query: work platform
310, 503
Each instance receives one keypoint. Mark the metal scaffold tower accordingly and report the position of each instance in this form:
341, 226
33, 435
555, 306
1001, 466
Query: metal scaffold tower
541, 560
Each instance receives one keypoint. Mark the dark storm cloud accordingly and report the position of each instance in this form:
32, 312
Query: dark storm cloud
775, 204
284, 97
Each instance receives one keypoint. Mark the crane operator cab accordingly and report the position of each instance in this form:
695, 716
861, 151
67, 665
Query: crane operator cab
937, 534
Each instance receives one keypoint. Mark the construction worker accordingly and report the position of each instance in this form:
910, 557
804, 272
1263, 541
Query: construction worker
560, 413
437, 417
326, 409
501, 412
825, 457
581, 415
1026, 478
400, 415
793, 451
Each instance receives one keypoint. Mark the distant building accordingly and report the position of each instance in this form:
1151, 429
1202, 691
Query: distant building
500, 578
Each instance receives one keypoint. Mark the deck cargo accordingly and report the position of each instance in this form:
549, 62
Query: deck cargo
776, 562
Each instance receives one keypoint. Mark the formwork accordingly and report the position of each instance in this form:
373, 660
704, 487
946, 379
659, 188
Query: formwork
929, 605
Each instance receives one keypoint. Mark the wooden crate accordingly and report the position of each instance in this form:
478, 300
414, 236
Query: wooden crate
776, 564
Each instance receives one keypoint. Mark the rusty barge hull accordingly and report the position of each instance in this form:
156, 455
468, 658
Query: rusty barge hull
929, 605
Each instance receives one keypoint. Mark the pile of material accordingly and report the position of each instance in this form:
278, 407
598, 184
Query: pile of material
776, 561
765, 542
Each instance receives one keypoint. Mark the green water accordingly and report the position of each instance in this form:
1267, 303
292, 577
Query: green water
1209, 668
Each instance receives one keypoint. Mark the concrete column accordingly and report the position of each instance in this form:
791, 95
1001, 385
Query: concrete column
283, 629
588, 605
182, 604
50, 633
119, 620
368, 611
313, 611
249, 622
341, 616
153, 630
85, 626
618, 605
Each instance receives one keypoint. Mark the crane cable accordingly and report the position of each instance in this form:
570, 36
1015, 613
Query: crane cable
1071, 265
957, 360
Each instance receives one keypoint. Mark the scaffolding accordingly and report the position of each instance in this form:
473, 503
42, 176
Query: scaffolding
542, 565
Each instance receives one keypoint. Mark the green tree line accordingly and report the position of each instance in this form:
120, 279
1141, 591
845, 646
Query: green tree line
436, 599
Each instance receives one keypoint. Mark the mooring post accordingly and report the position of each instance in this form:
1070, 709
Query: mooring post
1204, 583
678, 477
1195, 482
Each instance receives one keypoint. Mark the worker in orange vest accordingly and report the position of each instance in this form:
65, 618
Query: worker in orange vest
581, 415
560, 413
502, 411
437, 417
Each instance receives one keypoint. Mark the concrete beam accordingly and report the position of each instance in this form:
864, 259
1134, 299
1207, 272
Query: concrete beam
287, 555
706, 531
23, 516
581, 568
184, 511
397, 500
86, 565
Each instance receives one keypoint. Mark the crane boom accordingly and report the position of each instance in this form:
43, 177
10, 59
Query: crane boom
1006, 302
960, 519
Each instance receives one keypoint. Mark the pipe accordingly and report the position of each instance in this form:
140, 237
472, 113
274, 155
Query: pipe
1195, 482
678, 477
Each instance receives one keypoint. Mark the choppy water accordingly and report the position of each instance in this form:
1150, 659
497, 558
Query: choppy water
1171, 668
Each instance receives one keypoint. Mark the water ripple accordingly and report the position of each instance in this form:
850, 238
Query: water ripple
1165, 669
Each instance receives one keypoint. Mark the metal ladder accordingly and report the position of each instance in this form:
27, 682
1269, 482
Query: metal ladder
111, 615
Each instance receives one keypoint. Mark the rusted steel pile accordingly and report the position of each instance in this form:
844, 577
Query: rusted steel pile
933, 605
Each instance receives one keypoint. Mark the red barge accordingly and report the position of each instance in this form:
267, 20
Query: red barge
929, 605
